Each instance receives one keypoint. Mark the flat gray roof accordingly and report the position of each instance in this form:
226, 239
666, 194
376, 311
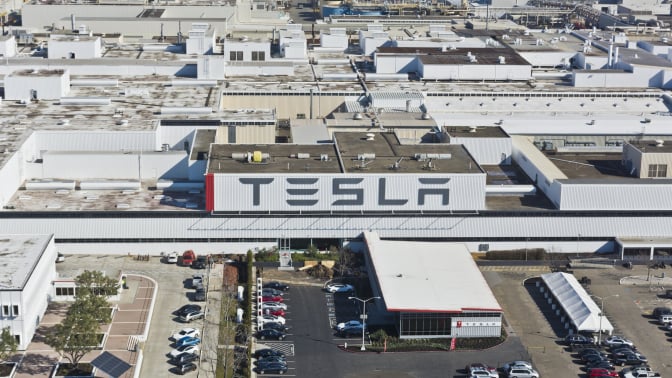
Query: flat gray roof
476, 132
651, 147
281, 160
602, 166
388, 151
440, 277
20, 255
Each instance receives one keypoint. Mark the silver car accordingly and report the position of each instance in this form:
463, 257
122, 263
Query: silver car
523, 373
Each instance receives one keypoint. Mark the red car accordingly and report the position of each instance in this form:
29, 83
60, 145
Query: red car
272, 298
593, 373
278, 312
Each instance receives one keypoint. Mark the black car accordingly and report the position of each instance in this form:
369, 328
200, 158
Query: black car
184, 310
271, 367
270, 292
592, 358
600, 364
622, 349
588, 351
578, 340
184, 358
276, 326
200, 262
269, 359
261, 353
630, 359
658, 311
270, 334
186, 368
276, 285
199, 295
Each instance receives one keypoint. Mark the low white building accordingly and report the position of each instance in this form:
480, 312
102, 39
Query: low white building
26, 283
293, 44
372, 38
37, 85
335, 38
7, 46
201, 38
74, 47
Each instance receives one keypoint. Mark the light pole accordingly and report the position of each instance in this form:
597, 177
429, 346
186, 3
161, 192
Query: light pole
602, 299
363, 316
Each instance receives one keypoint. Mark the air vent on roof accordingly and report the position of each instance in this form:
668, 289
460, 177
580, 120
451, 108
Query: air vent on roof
366, 156
251, 157
64, 122
423, 156
357, 116
300, 155
324, 157
370, 136
660, 143
425, 116
472, 129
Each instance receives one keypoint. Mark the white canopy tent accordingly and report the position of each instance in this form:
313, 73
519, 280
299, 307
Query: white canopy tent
582, 311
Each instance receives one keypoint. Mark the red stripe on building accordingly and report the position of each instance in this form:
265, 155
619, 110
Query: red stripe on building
209, 192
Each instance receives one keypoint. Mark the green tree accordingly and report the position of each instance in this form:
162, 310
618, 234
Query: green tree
77, 334
8, 344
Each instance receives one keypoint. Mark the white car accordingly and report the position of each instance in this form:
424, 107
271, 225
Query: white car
348, 324
273, 306
171, 258
193, 349
271, 319
196, 281
640, 374
616, 341
517, 364
186, 332
339, 288
519, 372
483, 374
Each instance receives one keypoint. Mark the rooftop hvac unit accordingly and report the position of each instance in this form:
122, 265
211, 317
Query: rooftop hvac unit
300, 155
366, 156
424, 156
660, 143
370, 136
472, 129
324, 157
425, 116
357, 116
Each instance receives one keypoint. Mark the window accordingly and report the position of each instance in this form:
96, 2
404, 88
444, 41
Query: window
235, 55
657, 170
5, 310
15, 310
258, 55
65, 291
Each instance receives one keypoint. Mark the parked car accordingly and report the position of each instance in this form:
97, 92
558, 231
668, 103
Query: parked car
348, 324
270, 334
592, 358
600, 364
630, 359
187, 309
616, 340
517, 364
641, 374
275, 326
271, 292
199, 295
271, 367
170, 258
193, 349
276, 285
201, 262
658, 311
599, 372
350, 332
262, 353
189, 340
191, 316
196, 280
273, 306
278, 312
523, 373
184, 358
587, 351
478, 369
186, 368
265, 360
272, 319
272, 298
336, 287
186, 332
60, 257
622, 349
578, 339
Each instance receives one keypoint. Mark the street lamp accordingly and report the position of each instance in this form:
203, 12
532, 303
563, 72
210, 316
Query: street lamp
363, 316
602, 299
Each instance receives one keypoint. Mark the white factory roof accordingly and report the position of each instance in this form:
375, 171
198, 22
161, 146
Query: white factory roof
20, 255
435, 277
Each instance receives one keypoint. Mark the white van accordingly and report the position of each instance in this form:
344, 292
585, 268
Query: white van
665, 319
